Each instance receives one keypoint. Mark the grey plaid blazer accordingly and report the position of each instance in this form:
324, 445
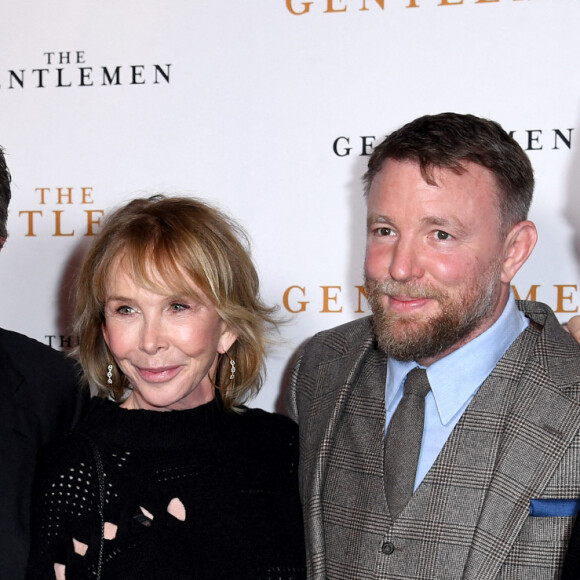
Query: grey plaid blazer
517, 441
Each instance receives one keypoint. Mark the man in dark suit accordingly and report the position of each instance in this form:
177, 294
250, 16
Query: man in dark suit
440, 438
39, 400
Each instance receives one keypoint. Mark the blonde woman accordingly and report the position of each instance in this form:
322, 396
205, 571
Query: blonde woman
170, 476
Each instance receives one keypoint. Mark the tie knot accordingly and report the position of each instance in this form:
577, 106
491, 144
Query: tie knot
417, 383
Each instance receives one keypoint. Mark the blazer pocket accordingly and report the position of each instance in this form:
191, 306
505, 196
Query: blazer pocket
545, 529
538, 550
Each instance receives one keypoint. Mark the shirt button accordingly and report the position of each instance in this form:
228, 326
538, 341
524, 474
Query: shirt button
387, 548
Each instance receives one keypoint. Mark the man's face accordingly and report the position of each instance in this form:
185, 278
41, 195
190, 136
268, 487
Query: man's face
434, 260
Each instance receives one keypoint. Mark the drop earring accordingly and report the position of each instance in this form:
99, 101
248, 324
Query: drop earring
232, 367
110, 374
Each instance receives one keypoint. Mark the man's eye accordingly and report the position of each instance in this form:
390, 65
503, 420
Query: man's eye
442, 235
384, 231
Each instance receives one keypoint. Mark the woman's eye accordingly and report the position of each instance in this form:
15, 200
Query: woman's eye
442, 235
124, 310
178, 306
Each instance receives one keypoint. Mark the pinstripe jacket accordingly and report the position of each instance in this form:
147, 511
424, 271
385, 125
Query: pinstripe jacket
517, 443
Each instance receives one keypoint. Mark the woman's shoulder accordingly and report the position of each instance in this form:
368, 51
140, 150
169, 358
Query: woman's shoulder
265, 429
270, 420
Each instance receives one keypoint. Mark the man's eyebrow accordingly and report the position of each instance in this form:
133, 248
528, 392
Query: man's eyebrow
442, 222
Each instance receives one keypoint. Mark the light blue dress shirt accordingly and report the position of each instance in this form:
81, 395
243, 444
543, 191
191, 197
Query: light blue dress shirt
454, 381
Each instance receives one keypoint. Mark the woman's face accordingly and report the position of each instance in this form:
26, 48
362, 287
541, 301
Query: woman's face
166, 345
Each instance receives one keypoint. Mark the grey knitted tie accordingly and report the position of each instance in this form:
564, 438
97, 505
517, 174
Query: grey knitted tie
403, 442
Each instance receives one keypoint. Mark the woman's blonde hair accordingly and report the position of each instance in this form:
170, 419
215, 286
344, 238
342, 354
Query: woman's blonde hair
177, 240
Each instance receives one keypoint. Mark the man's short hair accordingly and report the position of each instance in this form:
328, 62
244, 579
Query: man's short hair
4, 194
448, 141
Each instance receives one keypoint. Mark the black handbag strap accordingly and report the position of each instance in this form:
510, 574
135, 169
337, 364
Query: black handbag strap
101, 480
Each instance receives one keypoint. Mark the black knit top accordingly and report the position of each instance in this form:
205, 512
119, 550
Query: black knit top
228, 480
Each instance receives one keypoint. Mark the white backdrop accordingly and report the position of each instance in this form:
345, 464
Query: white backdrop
268, 108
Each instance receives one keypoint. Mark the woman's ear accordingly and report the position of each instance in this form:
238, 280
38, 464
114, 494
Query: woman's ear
226, 340
105, 333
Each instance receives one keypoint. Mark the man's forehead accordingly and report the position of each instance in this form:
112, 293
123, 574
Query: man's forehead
404, 172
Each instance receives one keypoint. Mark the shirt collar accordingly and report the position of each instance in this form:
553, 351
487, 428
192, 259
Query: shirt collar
455, 378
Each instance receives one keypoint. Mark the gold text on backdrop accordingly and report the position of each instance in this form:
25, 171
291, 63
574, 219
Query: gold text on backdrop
329, 299
62, 196
299, 8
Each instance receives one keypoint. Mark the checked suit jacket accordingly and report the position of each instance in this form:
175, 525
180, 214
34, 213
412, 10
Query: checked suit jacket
517, 442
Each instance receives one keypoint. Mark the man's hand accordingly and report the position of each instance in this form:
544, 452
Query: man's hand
574, 327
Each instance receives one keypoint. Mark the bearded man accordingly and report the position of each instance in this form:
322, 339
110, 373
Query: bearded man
440, 437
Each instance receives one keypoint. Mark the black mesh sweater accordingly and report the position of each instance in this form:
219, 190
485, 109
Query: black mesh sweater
231, 481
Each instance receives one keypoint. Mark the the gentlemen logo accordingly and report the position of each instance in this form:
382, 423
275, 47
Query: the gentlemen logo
328, 299
337, 299
529, 139
301, 7
57, 213
68, 69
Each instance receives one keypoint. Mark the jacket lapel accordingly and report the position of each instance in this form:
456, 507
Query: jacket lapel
10, 384
335, 391
540, 423
11, 377
363, 367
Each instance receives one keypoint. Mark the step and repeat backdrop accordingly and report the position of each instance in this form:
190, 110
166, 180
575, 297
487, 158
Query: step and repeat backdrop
269, 109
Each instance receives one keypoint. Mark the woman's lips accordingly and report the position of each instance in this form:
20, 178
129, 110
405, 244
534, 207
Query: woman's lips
158, 374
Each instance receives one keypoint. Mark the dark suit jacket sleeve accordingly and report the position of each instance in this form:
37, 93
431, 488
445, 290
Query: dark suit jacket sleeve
40, 399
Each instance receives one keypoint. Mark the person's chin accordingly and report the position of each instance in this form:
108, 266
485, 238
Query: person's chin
156, 399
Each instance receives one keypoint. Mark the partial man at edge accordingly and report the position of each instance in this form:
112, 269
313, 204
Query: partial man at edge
493, 492
571, 570
39, 400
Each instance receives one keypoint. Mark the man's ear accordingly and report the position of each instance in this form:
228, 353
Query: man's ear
518, 246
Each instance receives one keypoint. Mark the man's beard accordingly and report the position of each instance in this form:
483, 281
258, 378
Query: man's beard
412, 337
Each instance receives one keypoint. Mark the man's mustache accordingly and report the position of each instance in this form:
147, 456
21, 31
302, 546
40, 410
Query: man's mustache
403, 289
